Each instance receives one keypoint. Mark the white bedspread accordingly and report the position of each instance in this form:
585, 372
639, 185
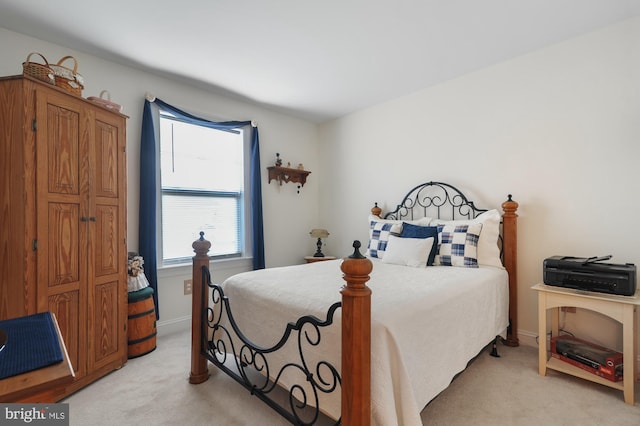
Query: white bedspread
427, 323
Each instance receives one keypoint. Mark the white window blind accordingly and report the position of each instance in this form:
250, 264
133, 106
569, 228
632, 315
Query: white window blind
202, 177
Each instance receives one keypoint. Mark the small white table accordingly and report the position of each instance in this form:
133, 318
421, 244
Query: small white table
620, 308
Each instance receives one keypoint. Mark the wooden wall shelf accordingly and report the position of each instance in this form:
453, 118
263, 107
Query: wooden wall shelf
286, 175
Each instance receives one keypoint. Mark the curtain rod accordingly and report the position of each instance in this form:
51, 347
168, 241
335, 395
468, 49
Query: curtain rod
152, 98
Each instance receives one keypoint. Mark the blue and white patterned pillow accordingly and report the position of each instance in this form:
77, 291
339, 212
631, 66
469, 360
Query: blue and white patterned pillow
380, 229
458, 245
378, 237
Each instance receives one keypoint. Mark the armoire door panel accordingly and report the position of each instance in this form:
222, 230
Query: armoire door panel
105, 334
66, 307
106, 240
106, 146
63, 150
63, 240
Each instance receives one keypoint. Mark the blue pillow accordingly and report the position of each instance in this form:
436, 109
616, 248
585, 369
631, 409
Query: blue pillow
415, 231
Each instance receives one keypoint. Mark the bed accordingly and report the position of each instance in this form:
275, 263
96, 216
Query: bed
435, 286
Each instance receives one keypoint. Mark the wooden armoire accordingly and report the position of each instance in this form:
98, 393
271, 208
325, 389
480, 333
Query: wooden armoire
63, 222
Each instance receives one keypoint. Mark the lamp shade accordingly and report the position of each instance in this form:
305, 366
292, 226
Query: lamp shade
319, 233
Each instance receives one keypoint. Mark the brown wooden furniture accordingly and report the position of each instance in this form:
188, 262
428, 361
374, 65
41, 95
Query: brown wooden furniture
286, 175
141, 323
63, 221
356, 304
311, 259
510, 262
356, 341
38, 385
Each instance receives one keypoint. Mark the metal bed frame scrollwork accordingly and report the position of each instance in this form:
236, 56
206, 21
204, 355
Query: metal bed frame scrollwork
249, 358
429, 199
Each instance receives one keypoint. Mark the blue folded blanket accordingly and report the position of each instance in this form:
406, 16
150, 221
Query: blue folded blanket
32, 343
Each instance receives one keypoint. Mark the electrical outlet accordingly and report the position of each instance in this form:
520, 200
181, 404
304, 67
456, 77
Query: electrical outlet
188, 286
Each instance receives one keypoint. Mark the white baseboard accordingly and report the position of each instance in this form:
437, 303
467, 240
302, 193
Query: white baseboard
527, 338
174, 325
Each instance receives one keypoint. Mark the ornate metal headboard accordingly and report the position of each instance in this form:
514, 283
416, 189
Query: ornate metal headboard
443, 201
437, 200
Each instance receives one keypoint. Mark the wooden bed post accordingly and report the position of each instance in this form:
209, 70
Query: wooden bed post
376, 211
199, 370
509, 244
356, 340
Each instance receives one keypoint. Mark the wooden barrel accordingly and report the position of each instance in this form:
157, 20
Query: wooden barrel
141, 323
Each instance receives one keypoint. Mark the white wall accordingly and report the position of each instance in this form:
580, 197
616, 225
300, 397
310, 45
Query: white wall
288, 216
558, 128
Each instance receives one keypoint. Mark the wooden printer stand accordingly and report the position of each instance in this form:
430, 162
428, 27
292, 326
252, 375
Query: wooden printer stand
620, 308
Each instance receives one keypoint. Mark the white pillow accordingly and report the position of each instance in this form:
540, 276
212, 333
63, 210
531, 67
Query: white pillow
408, 251
488, 250
380, 229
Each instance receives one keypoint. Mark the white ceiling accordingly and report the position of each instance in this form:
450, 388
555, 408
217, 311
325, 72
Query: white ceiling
316, 59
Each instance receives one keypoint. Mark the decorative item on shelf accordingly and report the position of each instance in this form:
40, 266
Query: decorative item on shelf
105, 102
42, 72
300, 166
68, 78
319, 234
137, 279
278, 160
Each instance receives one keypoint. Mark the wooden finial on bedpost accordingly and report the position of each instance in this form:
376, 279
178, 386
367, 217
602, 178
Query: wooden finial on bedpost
356, 340
199, 296
376, 211
510, 249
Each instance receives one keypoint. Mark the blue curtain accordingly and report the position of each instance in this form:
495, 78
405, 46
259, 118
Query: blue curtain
256, 202
149, 182
148, 200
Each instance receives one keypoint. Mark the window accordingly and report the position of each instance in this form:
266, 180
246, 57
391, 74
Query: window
202, 186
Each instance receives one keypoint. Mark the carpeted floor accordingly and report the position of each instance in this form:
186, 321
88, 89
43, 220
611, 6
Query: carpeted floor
154, 390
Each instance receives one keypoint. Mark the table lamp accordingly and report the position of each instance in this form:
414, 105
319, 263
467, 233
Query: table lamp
319, 234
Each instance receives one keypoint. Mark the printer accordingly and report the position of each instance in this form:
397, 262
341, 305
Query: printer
590, 274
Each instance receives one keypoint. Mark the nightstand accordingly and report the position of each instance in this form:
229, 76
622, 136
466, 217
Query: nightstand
620, 308
311, 259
